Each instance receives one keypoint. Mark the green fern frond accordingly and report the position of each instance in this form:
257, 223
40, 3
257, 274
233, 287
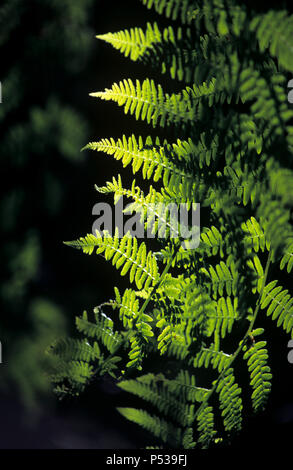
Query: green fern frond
256, 237
255, 265
287, 259
230, 401
213, 240
77, 373
128, 305
279, 305
197, 311
157, 160
260, 374
125, 254
160, 428
222, 276
275, 218
269, 100
211, 357
225, 316
147, 101
205, 427
155, 390
133, 43
274, 31
102, 329
75, 350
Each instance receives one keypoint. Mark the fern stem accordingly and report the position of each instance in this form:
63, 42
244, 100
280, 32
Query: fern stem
242, 343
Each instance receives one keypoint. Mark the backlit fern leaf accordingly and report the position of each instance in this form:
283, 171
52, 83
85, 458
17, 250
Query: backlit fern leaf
205, 427
125, 254
211, 357
161, 160
260, 374
102, 329
222, 277
222, 322
147, 101
133, 43
230, 402
255, 235
279, 305
128, 305
287, 259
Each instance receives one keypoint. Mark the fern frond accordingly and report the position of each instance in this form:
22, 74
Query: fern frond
217, 14
269, 101
125, 254
156, 209
222, 322
275, 219
155, 390
76, 373
260, 374
197, 310
149, 102
255, 235
102, 329
255, 265
162, 160
211, 357
75, 350
287, 259
205, 427
279, 305
230, 401
160, 428
133, 43
274, 31
213, 241
128, 305
222, 276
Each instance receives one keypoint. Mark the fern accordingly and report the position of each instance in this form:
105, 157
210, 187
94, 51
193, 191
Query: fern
273, 31
181, 335
260, 373
279, 305
124, 253
133, 43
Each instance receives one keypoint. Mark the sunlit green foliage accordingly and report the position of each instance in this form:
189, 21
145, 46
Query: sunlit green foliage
184, 336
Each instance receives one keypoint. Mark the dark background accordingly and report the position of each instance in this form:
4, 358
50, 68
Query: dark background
50, 61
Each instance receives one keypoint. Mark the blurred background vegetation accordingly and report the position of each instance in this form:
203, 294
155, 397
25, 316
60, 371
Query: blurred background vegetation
49, 62
45, 48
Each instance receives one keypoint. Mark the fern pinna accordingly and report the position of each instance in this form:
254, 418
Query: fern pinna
177, 336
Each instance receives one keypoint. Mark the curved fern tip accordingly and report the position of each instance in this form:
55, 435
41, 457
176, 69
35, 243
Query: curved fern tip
70, 243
